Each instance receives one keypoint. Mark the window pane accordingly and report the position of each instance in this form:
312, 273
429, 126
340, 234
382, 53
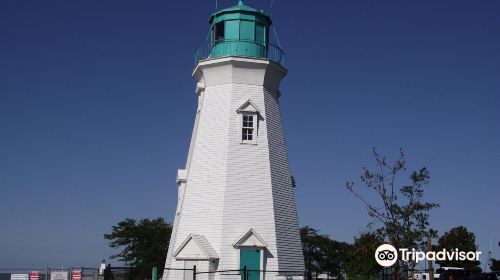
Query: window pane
219, 31
246, 30
245, 134
247, 128
231, 30
248, 121
259, 33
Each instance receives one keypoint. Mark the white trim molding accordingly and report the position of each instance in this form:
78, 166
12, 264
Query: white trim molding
248, 107
250, 239
181, 176
249, 113
195, 247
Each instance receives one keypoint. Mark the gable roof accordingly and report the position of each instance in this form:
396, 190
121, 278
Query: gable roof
248, 107
251, 239
196, 246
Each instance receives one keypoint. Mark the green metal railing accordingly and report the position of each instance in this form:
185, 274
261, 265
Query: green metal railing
244, 48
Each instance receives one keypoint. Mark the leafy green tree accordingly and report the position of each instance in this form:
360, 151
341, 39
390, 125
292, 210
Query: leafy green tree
402, 214
495, 265
361, 264
143, 244
322, 254
336, 254
312, 247
463, 240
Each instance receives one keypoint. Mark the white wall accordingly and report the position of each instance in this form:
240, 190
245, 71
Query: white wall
232, 187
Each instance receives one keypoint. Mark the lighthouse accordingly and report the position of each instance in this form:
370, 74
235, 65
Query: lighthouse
236, 206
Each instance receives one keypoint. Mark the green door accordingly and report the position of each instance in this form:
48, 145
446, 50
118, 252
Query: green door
251, 259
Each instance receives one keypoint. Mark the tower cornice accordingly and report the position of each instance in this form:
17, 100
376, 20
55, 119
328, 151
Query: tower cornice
240, 70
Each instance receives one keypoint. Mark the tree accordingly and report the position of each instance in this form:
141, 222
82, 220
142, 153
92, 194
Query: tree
403, 217
144, 244
336, 254
311, 248
463, 240
322, 254
361, 264
495, 265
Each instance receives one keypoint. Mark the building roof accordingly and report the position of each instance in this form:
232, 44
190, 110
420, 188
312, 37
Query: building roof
250, 239
198, 247
240, 8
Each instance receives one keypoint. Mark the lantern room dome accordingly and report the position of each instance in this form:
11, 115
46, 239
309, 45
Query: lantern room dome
242, 31
240, 8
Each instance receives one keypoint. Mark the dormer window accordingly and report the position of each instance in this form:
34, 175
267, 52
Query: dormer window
249, 122
248, 128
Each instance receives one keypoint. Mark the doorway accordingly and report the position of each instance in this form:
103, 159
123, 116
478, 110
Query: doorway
251, 259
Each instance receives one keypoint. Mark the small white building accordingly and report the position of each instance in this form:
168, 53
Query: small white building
236, 205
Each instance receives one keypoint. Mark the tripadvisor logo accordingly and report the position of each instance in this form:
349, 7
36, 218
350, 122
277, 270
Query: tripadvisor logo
386, 255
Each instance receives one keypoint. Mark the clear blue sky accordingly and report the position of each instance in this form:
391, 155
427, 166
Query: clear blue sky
97, 106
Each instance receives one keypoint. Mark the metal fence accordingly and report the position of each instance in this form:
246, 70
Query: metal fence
36, 273
7, 273
244, 48
90, 273
44, 273
275, 275
239, 274
132, 273
129, 273
195, 274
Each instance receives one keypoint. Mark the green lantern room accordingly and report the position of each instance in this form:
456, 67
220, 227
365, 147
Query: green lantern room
239, 31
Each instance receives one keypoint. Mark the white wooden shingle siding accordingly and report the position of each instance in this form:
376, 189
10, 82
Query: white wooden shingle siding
285, 212
232, 187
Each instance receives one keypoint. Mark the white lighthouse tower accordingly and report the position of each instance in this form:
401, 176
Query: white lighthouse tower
236, 206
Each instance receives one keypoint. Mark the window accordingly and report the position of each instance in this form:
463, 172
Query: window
247, 30
231, 30
248, 128
260, 34
219, 32
248, 119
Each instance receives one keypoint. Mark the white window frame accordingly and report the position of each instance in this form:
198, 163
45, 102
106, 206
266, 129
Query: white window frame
248, 109
252, 128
